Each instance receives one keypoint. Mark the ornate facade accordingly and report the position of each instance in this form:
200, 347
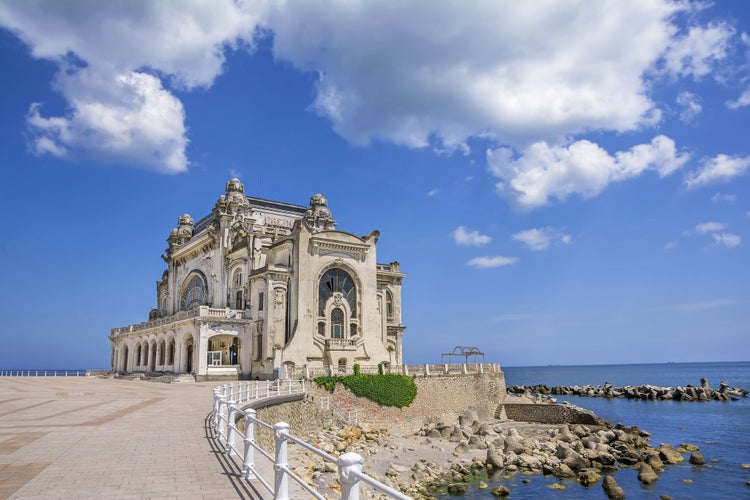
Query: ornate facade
258, 287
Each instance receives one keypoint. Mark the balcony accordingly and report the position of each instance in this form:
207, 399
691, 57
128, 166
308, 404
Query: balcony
341, 345
196, 312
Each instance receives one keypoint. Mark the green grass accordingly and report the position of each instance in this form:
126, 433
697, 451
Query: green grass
387, 390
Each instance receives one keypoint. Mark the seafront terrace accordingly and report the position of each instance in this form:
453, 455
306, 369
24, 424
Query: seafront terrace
90, 437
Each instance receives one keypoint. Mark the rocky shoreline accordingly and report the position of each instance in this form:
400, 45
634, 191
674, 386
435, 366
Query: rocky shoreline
443, 459
644, 392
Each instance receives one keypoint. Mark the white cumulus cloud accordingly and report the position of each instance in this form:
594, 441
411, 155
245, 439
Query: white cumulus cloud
691, 106
728, 240
697, 52
720, 168
114, 59
729, 198
518, 72
488, 262
543, 172
463, 236
709, 227
742, 101
129, 119
541, 238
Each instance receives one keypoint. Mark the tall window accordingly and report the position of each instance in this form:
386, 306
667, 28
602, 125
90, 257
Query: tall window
258, 347
194, 294
337, 281
337, 324
388, 304
261, 296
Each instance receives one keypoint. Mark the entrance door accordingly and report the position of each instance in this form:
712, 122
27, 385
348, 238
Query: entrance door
190, 358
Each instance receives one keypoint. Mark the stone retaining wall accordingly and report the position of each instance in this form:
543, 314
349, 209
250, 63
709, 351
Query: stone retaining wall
439, 399
548, 414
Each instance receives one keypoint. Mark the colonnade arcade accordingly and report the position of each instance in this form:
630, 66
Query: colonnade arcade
157, 352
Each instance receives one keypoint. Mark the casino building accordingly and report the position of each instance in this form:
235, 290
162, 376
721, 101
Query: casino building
262, 288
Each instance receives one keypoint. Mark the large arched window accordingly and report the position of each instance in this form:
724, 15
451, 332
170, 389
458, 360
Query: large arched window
194, 294
337, 281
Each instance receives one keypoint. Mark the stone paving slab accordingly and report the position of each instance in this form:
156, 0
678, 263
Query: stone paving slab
90, 437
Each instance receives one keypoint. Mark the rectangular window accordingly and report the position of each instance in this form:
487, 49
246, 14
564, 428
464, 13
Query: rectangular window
261, 296
337, 331
238, 301
258, 347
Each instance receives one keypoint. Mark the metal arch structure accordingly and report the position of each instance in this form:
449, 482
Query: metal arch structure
465, 351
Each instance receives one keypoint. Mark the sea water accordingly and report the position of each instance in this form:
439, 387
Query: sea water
720, 429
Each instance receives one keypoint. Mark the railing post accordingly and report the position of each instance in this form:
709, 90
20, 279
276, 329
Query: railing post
216, 408
257, 385
248, 462
406, 370
290, 387
222, 419
481, 368
231, 427
225, 390
281, 480
231, 392
307, 371
464, 365
426, 370
347, 463
268, 388
247, 389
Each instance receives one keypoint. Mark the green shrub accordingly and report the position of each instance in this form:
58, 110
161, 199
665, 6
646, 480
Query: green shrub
356, 368
387, 390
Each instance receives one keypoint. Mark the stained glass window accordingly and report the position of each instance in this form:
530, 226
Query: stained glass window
195, 293
337, 281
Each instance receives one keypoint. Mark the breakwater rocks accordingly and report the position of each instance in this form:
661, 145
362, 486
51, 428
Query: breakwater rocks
586, 453
645, 392
445, 457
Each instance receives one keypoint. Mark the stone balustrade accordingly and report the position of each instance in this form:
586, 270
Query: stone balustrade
426, 370
196, 312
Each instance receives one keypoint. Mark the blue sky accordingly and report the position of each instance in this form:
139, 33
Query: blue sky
563, 182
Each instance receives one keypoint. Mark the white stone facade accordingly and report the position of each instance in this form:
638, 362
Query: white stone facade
258, 287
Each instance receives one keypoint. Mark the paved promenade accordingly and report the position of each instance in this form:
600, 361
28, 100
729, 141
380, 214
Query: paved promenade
87, 437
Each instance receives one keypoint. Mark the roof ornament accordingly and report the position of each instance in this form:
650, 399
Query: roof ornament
181, 234
234, 201
318, 216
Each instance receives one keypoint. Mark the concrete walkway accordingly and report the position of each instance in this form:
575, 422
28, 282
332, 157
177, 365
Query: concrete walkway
87, 437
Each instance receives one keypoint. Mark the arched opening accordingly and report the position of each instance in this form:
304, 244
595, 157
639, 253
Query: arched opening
125, 359
233, 351
189, 367
388, 304
153, 357
342, 365
170, 352
137, 361
162, 351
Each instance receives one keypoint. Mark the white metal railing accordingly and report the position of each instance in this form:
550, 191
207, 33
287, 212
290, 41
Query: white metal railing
43, 373
227, 413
